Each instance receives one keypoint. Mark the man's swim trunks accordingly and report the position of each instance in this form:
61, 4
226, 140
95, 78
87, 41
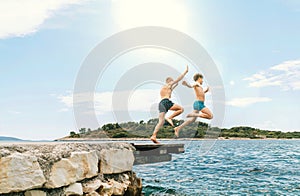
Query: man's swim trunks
199, 105
165, 105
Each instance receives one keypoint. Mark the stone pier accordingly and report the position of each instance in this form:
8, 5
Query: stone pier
55, 168
153, 153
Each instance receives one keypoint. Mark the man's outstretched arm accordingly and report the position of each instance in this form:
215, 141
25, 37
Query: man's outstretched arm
175, 83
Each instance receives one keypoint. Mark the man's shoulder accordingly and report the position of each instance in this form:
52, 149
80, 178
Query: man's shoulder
167, 86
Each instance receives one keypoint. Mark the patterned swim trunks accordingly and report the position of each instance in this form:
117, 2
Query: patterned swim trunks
165, 105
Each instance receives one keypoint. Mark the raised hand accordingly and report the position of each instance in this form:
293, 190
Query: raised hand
187, 69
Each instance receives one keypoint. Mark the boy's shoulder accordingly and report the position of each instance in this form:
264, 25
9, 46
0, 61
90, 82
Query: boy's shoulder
196, 84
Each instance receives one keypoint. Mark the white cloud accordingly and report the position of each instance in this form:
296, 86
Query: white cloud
138, 100
66, 99
287, 66
296, 85
246, 101
275, 51
284, 75
63, 110
22, 17
232, 83
14, 112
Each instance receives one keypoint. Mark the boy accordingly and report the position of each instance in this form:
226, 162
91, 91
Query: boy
166, 104
198, 104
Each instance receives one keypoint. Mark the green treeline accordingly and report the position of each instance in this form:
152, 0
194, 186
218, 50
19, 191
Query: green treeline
144, 129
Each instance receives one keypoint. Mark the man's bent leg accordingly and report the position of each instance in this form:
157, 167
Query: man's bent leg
177, 111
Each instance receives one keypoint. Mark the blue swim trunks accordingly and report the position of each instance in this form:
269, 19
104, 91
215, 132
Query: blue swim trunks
165, 105
199, 105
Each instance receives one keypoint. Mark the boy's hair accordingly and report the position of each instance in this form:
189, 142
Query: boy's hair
168, 79
197, 76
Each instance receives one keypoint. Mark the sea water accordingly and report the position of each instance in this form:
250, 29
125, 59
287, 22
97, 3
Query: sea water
229, 167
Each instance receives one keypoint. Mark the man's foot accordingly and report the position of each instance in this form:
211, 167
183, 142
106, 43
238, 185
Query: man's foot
170, 121
153, 139
176, 131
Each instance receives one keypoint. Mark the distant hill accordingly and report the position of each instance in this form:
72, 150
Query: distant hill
144, 129
4, 138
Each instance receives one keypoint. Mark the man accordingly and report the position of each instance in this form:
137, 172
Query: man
198, 104
166, 104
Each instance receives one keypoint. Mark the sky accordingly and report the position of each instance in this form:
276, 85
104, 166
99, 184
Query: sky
43, 44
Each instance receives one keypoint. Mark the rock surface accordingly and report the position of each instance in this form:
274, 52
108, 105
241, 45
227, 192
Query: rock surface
119, 188
116, 161
94, 193
35, 193
74, 189
20, 172
91, 186
79, 166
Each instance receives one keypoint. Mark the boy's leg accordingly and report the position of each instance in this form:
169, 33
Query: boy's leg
177, 111
161, 121
205, 113
187, 122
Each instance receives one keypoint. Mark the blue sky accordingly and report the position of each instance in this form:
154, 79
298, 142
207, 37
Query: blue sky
255, 45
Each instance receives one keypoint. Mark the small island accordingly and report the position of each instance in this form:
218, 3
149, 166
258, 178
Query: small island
4, 138
196, 130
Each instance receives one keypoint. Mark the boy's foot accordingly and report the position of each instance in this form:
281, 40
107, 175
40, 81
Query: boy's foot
170, 121
153, 139
176, 132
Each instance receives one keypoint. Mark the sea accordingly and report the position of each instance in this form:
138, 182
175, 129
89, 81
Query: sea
226, 167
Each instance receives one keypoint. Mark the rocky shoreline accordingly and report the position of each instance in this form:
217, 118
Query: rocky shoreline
42, 169
162, 139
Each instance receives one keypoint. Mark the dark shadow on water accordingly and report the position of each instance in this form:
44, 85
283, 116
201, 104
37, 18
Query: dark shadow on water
160, 191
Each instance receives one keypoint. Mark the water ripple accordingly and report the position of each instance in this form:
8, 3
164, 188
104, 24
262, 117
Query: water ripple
246, 167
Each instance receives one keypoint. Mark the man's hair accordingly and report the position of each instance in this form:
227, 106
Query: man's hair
197, 76
168, 78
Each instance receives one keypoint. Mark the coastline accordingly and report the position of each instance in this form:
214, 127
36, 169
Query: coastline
79, 140
164, 139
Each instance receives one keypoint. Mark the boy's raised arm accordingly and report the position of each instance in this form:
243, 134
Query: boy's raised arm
184, 83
